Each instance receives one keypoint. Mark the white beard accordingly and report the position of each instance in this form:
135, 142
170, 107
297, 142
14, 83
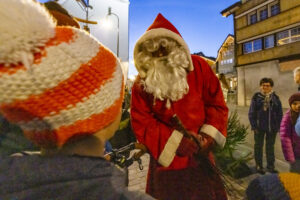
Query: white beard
166, 77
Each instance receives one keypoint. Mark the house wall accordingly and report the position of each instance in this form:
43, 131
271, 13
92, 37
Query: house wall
288, 16
268, 54
250, 75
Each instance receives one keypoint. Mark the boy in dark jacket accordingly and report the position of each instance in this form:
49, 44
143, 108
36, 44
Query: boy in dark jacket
265, 115
65, 90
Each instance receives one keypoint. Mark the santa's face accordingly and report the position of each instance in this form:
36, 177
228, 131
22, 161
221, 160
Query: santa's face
165, 64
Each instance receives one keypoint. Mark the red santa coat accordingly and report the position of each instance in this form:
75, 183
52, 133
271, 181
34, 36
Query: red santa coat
202, 109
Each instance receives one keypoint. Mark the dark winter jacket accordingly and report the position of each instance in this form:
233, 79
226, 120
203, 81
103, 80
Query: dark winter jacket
62, 177
268, 120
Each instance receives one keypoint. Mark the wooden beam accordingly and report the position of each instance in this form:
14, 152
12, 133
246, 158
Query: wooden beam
85, 21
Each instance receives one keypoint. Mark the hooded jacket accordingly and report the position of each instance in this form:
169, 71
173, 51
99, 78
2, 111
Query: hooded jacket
62, 177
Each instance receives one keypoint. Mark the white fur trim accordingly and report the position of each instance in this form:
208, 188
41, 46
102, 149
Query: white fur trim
167, 155
214, 133
94, 104
25, 25
161, 32
59, 64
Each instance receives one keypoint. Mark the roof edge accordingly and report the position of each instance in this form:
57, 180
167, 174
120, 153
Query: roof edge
228, 11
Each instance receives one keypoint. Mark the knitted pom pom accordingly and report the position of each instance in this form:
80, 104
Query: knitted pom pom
25, 26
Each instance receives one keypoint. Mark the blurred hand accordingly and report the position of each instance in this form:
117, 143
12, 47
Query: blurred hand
255, 131
206, 142
187, 147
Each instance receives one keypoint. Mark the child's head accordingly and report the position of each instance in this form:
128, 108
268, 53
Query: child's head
294, 102
56, 83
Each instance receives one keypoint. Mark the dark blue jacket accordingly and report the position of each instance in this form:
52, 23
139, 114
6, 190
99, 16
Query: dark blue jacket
62, 178
268, 120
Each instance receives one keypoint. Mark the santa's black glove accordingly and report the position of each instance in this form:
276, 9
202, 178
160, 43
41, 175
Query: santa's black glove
206, 142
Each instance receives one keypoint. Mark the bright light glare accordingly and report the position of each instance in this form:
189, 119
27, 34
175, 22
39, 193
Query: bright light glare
106, 23
132, 77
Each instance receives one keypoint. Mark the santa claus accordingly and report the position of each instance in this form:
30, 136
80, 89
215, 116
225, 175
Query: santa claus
177, 97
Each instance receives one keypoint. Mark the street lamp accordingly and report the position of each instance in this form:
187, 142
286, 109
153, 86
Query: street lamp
111, 13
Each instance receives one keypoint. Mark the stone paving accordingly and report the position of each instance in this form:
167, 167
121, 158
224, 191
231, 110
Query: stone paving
137, 180
137, 177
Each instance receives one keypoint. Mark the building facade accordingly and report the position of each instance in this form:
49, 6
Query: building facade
226, 61
225, 65
267, 44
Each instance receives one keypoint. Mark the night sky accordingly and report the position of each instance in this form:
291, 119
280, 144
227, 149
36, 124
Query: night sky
198, 21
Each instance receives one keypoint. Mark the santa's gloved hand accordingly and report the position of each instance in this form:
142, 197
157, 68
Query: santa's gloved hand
206, 142
187, 147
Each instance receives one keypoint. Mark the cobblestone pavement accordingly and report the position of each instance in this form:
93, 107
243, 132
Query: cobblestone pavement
137, 177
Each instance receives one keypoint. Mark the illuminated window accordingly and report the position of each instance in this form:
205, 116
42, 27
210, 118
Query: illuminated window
269, 41
263, 14
247, 47
253, 18
295, 34
288, 36
275, 9
257, 45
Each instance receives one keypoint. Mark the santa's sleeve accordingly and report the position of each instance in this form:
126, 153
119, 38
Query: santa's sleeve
161, 140
216, 111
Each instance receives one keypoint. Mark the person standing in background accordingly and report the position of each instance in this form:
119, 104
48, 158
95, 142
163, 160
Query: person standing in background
297, 76
265, 114
290, 141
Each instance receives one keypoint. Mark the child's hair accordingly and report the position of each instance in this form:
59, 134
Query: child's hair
266, 80
274, 186
294, 97
294, 115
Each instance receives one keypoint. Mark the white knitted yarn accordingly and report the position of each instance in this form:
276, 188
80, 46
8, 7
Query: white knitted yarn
93, 104
52, 69
19, 38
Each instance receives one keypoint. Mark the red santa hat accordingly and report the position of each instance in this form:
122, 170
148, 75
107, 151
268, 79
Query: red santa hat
161, 27
55, 82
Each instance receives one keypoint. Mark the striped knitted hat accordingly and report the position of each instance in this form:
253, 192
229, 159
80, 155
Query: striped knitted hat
283, 186
55, 82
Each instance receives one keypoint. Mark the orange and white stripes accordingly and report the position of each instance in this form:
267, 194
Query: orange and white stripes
74, 86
